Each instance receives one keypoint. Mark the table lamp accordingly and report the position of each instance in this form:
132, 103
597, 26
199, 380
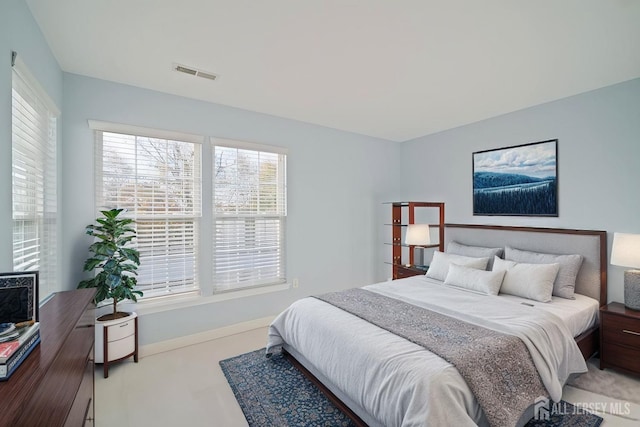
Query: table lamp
418, 235
626, 253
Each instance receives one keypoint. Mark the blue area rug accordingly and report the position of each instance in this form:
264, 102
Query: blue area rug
274, 393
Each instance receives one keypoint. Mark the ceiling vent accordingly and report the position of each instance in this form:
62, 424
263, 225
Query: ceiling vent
194, 72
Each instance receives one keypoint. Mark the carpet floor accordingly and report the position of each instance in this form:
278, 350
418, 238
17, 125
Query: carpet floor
273, 393
607, 382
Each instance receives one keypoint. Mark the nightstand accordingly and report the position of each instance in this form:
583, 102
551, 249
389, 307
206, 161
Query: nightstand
402, 271
620, 338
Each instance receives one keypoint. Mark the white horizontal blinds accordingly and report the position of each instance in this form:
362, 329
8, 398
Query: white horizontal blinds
250, 209
34, 195
158, 182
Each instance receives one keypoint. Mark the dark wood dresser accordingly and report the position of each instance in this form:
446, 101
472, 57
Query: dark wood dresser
54, 386
620, 338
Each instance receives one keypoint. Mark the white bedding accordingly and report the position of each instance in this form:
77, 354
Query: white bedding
399, 383
579, 314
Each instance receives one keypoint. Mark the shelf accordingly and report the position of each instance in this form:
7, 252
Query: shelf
404, 225
435, 245
403, 214
416, 204
413, 267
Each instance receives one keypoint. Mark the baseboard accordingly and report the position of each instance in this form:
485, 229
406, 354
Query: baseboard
161, 347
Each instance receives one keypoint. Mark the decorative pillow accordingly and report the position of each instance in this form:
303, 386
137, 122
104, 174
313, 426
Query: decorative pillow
440, 262
475, 251
532, 281
486, 282
565, 282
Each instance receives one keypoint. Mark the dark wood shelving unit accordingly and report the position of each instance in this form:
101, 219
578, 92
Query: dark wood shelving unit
402, 215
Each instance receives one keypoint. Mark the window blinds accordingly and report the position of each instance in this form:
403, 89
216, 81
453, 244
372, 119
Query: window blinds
158, 182
34, 195
250, 209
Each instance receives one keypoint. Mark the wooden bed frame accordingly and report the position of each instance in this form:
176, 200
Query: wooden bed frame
588, 341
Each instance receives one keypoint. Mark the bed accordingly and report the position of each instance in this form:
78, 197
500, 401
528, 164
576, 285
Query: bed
381, 378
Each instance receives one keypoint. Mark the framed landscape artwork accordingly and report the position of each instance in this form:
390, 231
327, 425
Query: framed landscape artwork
517, 180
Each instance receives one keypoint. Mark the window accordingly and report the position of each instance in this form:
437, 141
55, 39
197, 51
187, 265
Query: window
34, 195
249, 213
156, 177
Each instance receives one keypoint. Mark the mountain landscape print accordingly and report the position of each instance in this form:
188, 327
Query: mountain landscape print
518, 180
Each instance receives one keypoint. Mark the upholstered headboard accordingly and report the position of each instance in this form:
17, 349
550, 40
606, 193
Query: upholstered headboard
591, 244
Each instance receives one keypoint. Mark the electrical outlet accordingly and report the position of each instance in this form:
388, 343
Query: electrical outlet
296, 282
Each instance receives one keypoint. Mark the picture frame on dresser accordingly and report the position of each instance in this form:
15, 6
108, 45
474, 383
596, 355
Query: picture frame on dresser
19, 296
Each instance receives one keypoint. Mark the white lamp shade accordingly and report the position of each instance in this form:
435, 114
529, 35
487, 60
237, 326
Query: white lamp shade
626, 250
417, 234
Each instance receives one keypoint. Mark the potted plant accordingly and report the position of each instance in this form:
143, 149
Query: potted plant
116, 264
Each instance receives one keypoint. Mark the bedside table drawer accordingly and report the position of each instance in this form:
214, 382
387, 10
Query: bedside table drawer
622, 357
621, 330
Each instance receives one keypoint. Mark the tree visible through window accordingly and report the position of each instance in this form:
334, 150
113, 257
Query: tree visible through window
157, 177
158, 182
249, 215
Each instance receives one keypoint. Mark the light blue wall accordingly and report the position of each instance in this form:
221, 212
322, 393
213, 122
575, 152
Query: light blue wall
336, 184
337, 180
598, 163
19, 32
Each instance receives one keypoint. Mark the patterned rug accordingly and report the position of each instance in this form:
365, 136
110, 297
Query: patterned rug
273, 393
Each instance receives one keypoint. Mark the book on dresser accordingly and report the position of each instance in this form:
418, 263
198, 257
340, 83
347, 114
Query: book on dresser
30, 339
22, 334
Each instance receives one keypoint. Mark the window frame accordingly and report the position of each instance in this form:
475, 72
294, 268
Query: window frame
205, 269
158, 289
280, 216
38, 192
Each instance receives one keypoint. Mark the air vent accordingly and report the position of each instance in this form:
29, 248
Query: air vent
194, 72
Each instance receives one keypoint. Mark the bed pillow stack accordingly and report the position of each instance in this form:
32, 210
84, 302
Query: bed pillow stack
565, 281
533, 275
473, 279
475, 251
531, 281
465, 267
441, 262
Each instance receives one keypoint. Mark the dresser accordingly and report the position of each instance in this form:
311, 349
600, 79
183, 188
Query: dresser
620, 338
54, 386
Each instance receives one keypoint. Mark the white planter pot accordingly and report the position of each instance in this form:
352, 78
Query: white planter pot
121, 339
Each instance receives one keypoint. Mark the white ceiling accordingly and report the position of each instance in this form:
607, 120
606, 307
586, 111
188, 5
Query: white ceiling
391, 69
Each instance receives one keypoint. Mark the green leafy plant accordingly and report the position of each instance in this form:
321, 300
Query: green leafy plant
116, 263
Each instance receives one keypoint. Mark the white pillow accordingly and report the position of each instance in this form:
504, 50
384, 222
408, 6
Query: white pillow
486, 282
532, 281
475, 251
440, 262
565, 282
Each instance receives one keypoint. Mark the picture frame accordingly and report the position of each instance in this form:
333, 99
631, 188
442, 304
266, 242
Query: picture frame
19, 299
520, 180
